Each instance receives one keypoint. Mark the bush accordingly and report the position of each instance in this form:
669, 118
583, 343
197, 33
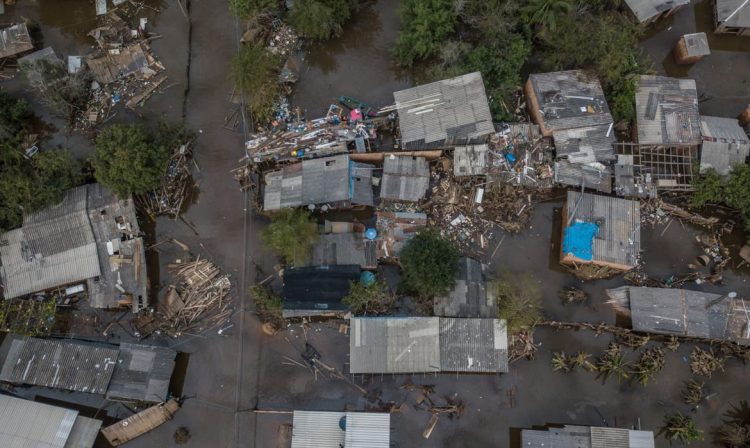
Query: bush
255, 74
321, 19
429, 262
268, 305
519, 300
130, 160
366, 299
247, 9
425, 25
290, 235
708, 188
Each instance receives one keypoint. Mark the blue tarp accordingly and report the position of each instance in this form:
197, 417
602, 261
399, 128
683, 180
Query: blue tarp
579, 240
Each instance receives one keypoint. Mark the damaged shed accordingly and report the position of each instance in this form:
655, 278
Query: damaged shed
445, 113
570, 436
469, 297
725, 144
333, 181
667, 112
682, 312
405, 178
316, 429
427, 344
142, 373
600, 230
14, 40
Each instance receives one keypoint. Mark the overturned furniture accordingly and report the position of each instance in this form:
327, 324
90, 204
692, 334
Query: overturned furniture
138, 424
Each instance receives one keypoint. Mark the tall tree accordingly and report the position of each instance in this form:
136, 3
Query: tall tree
291, 234
429, 262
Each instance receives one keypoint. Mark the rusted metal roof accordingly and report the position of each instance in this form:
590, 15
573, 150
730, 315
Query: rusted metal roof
405, 178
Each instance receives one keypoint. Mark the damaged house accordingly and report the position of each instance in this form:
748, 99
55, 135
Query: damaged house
570, 107
88, 242
732, 17
405, 178
427, 344
15, 40
571, 436
395, 229
331, 182
444, 113
316, 429
469, 296
681, 312
600, 230
725, 144
649, 11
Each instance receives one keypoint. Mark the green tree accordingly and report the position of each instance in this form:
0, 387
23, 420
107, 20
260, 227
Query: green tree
130, 160
247, 9
255, 72
519, 300
268, 305
367, 298
682, 428
707, 188
545, 13
429, 262
425, 25
737, 189
321, 19
291, 234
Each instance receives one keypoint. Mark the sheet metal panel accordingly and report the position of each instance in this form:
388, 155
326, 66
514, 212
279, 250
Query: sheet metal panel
673, 118
315, 429
26, 424
142, 373
367, 430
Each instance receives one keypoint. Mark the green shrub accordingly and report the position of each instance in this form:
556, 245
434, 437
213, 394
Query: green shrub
519, 300
425, 25
255, 73
290, 235
429, 262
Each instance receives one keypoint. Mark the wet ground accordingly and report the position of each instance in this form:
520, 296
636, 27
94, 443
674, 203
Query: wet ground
231, 376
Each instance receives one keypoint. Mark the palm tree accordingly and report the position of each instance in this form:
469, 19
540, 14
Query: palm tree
544, 13
612, 363
681, 427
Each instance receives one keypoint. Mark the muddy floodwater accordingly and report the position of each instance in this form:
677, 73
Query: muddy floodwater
233, 379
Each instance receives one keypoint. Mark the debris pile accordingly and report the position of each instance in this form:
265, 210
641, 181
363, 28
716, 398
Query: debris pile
199, 301
519, 155
176, 186
283, 40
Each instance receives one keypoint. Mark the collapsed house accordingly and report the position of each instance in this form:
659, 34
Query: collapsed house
570, 107
691, 48
15, 40
732, 17
519, 154
89, 241
573, 436
315, 429
725, 144
138, 424
332, 182
649, 11
395, 229
600, 230
469, 296
427, 344
445, 113
405, 178
344, 249
317, 290
25, 423
681, 312
130, 372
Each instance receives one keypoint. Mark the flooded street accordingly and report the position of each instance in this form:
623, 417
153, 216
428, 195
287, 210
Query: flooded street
230, 377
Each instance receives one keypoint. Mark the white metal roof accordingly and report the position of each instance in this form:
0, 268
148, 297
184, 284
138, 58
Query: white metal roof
316, 429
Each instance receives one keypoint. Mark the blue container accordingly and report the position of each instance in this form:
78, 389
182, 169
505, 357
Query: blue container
371, 233
510, 158
367, 278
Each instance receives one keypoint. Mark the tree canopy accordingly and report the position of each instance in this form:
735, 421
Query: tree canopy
321, 19
519, 300
255, 73
129, 159
291, 234
425, 25
732, 191
366, 298
429, 262
247, 9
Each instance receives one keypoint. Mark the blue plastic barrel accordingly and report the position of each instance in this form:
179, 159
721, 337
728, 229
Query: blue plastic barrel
371, 233
367, 278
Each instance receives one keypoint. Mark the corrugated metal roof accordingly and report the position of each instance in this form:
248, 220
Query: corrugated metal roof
646, 9
578, 175
344, 248
737, 9
469, 297
14, 39
26, 424
619, 238
667, 111
318, 289
473, 345
142, 373
724, 144
320, 429
59, 364
586, 145
84, 432
696, 44
405, 178
570, 99
452, 111
573, 436
470, 160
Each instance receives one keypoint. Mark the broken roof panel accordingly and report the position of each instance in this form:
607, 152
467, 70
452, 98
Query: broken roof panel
142, 373
733, 13
14, 40
127, 61
724, 144
579, 175
473, 345
567, 100
344, 248
469, 296
447, 112
58, 364
470, 160
587, 144
645, 10
667, 111
405, 178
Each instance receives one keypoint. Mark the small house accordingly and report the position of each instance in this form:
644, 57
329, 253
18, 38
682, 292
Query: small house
427, 344
725, 144
649, 11
316, 429
317, 290
469, 297
600, 230
445, 113
732, 17
333, 182
681, 312
27, 424
570, 436
667, 112
691, 48
344, 249
405, 178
